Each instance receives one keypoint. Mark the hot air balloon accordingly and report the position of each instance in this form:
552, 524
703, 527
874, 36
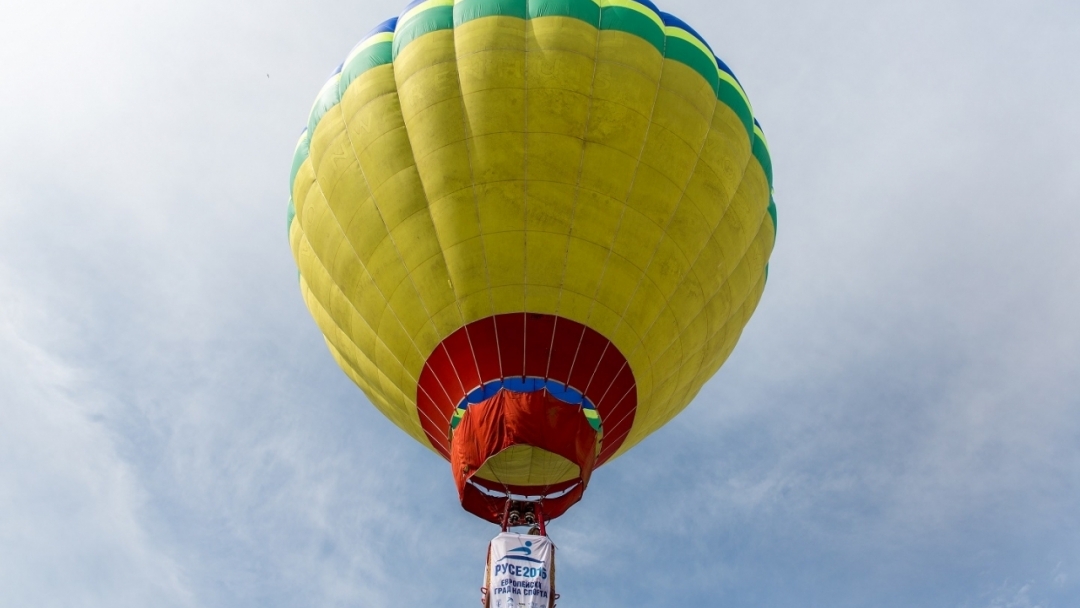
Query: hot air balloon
530, 231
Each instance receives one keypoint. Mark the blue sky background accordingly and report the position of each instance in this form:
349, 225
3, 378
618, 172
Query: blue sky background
900, 425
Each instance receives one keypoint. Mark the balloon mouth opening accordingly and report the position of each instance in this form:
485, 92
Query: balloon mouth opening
526, 466
525, 446
504, 495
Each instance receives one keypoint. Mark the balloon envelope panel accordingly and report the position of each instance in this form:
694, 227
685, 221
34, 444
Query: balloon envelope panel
586, 173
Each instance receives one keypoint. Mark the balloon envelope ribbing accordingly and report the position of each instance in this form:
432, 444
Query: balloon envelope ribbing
553, 217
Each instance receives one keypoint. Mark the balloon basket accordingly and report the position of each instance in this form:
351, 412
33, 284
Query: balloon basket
520, 570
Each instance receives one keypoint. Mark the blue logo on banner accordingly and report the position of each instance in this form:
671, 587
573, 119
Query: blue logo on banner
521, 553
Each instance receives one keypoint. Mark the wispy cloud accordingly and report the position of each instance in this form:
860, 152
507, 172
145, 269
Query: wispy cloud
72, 506
898, 426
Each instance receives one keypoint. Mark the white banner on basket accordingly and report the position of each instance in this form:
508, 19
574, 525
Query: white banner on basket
520, 571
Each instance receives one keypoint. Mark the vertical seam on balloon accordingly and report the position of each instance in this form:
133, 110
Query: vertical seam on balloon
742, 259
633, 182
758, 289
625, 202
551, 350
616, 440
629, 391
524, 344
615, 377
580, 173
325, 306
626, 415
525, 138
671, 216
389, 232
420, 177
420, 388
378, 395
762, 230
305, 290
370, 192
724, 327
378, 389
755, 287
656, 249
439, 381
444, 442
453, 367
472, 172
577, 351
498, 348
457, 297
472, 351
596, 367
364, 267
382, 218
712, 233
730, 201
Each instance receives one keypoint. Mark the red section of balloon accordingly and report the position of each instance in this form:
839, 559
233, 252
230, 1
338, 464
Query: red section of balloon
527, 345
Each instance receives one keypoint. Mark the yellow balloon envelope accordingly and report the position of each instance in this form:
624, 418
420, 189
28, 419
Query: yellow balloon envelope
531, 230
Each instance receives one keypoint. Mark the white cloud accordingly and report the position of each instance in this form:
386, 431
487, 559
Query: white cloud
70, 507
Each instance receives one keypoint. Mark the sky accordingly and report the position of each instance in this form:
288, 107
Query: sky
899, 426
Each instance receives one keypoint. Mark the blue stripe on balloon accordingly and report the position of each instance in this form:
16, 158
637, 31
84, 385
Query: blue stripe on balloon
528, 384
672, 20
386, 26
652, 6
723, 66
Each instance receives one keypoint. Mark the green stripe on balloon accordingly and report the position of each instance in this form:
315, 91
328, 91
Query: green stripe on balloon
582, 10
300, 154
372, 57
469, 10
432, 20
690, 55
730, 97
328, 97
630, 21
761, 153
